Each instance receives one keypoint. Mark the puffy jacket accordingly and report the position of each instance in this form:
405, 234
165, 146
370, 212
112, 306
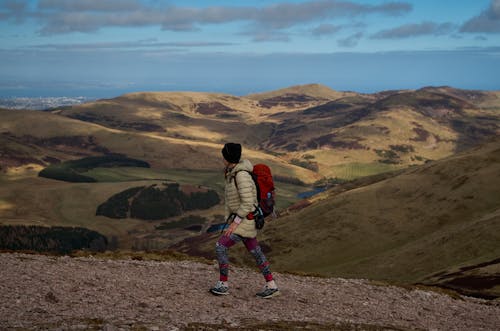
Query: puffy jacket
241, 199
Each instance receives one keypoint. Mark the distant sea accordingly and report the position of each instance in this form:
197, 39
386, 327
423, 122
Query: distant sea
41, 99
8, 91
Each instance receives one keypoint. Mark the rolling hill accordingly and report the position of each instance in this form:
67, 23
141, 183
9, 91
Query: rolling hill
437, 223
37, 139
325, 132
335, 134
436, 217
297, 97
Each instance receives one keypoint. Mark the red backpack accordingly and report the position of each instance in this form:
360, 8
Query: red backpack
263, 179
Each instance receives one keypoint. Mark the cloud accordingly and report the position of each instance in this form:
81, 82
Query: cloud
414, 30
350, 41
13, 10
266, 35
90, 5
325, 29
486, 22
66, 16
271, 37
150, 43
285, 15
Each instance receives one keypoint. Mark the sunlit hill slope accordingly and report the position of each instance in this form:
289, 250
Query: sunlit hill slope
437, 223
434, 219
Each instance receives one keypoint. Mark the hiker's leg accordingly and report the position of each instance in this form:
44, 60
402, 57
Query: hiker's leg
221, 248
253, 247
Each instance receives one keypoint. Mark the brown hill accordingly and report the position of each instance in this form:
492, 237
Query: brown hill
297, 97
31, 140
368, 134
328, 134
430, 219
317, 91
50, 137
337, 134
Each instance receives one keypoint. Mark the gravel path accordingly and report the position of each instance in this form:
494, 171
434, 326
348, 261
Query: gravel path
61, 293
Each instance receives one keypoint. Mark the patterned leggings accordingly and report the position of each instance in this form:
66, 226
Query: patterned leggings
224, 243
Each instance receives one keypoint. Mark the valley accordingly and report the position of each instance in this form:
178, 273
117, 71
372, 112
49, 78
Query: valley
407, 178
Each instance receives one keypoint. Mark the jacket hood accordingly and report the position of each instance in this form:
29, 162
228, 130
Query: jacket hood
244, 165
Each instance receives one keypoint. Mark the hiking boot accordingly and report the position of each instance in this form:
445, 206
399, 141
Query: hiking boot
219, 289
268, 292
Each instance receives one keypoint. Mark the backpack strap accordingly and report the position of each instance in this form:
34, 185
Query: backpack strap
254, 182
234, 177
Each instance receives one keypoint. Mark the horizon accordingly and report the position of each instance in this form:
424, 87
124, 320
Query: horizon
103, 49
109, 94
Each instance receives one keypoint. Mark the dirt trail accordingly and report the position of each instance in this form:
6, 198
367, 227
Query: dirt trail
61, 293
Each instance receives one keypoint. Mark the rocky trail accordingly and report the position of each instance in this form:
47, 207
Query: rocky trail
40, 292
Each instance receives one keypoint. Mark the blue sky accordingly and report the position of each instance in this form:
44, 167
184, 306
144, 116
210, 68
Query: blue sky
104, 48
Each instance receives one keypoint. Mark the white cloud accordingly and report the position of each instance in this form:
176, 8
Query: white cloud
414, 30
486, 22
66, 16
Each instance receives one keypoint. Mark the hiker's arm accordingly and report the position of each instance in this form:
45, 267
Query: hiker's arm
232, 227
246, 192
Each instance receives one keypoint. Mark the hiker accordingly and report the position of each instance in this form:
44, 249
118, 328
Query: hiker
241, 202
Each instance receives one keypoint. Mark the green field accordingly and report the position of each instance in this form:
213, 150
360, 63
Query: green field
350, 171
124, 174
286, 193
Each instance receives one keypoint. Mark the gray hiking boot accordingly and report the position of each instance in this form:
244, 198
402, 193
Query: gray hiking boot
219, 289
268, 292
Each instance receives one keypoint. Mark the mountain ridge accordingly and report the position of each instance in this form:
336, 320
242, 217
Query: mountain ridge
435, 120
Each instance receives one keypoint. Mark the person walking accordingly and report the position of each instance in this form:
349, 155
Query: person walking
240, 202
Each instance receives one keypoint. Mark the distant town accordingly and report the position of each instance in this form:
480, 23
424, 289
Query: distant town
41, 103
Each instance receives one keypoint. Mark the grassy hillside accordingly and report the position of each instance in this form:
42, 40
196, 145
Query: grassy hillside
49, 136
297, 97
430, 219
185, 115
39, 201
34, 200
305, 133
30, 141
36, 139
398, 129
312, 90
311, 125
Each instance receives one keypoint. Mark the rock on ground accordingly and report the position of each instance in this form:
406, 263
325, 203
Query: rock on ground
60, 293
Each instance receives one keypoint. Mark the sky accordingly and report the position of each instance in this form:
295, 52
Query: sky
104, 48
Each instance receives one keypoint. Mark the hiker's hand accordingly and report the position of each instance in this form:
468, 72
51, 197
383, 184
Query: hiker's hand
231, 229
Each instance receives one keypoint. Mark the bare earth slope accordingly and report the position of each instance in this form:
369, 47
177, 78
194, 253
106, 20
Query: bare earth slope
43, 292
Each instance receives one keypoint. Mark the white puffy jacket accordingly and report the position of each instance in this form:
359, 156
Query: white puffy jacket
241, 199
